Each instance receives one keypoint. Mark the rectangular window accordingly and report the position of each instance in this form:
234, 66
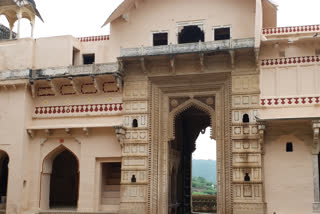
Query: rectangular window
88, 59
222, 33
160, 39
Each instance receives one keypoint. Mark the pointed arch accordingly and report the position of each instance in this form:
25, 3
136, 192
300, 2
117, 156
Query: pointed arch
46, 172
185, 106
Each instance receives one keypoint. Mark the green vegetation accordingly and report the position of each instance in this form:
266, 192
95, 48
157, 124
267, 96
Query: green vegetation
200, 186
205, 169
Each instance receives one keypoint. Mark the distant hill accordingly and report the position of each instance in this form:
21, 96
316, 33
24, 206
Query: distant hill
206, 169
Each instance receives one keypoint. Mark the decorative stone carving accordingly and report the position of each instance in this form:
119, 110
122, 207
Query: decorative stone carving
120, 132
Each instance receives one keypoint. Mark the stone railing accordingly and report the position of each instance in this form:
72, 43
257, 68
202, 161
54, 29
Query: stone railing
94, 69
200, 47
291, 30
61, 72
204, 203
94, 38
290, 61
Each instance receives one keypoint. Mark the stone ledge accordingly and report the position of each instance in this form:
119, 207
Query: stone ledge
200, 47
62, 72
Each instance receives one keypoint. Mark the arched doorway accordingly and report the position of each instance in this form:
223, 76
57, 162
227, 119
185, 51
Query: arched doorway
4, 160
60, 180
188, 125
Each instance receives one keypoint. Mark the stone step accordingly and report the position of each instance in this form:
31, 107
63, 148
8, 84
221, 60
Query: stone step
110, 201
111, 187
110, 208
111, 194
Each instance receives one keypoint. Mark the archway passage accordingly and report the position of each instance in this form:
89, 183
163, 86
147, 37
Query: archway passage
64, 182
188, 125
4, 160
191, 34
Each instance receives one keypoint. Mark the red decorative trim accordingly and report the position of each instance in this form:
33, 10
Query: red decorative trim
94, 38
290, 61
290, 101
78, 109
291, 30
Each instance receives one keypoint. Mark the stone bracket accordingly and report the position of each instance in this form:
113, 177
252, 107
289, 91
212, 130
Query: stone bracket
121, 133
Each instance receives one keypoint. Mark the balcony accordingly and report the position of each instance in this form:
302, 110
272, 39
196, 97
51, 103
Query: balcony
62, 72
75, 71
201, 47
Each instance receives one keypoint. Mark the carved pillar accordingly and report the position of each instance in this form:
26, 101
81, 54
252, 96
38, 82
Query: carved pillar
19, 15
262, 129
315, 165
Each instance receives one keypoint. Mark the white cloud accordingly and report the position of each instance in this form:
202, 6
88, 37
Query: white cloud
205, 147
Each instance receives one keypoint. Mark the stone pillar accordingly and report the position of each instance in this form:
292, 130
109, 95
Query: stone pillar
134, 169
315, 166
32, 27
247, 141
19, 15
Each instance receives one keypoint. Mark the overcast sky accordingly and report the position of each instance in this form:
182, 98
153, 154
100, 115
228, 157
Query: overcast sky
85, 17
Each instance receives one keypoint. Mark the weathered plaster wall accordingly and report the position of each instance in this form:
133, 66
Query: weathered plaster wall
213, 13
288, 176
100, 143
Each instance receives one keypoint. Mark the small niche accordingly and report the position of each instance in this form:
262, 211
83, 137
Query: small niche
247, 177
245, 118
133, 179
135, 123
289, 147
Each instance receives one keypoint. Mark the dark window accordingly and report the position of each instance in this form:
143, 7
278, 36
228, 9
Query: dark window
88, 59
247, 177
191, 34
245, 118
135, 123
133, 179
160, 39
221, 33
289, 147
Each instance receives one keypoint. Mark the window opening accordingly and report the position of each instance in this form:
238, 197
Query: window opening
88, 59
135, 123
160, 39
133, 179
222, 33
247, 177
245, 118
289, 147
190, 34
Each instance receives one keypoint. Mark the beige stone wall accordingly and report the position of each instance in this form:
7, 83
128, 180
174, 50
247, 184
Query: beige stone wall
288, 176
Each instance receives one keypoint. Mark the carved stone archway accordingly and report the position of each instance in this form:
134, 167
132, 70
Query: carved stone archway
216, 102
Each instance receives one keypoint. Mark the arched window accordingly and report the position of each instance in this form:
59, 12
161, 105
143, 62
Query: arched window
247, 177
289, 147
190, 34
245, 118
133, 179
135, 123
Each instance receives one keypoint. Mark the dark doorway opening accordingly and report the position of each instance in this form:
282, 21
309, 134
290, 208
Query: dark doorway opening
188, 126
64, 183
191, 34
4, 160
